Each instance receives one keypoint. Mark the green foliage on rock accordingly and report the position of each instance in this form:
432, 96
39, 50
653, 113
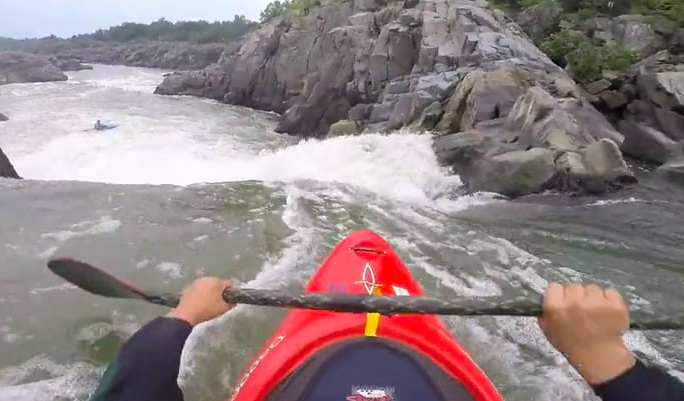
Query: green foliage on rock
584, 60
585, 63
616, 57
560, 44
672, 9
277, 8
525, 4
274, 9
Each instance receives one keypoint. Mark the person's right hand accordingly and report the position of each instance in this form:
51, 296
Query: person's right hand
586, 324
202, 301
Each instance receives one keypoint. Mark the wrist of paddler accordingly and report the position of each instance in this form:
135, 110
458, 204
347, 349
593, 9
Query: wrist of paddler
601, 363
179, 313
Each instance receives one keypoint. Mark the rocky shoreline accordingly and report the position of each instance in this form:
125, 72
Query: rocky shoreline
506, 118
164, 55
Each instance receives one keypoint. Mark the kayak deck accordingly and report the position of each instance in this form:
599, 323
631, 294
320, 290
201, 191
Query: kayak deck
363, 263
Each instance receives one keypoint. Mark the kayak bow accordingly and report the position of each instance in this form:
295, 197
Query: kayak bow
363, 263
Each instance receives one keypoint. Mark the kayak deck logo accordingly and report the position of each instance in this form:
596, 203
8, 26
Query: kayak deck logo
368, 280
366, 393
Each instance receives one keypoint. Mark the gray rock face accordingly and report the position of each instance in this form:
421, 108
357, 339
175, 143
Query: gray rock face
665, 89
6, 168
3, 117
18, 67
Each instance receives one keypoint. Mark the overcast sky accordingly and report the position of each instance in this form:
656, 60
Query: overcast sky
38, 18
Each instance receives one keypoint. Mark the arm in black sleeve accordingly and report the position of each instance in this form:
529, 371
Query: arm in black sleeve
642, 383
147, 366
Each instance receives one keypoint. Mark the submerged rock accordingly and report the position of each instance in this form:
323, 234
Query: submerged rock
18, 67
673, 171
69, 64
6, 168
343, 127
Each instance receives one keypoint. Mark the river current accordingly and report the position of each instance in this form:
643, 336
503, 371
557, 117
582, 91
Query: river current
186, 187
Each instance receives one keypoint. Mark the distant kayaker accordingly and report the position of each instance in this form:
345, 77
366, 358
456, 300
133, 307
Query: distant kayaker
585, 323
99, 125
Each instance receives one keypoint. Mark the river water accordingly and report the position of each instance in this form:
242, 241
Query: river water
186, 187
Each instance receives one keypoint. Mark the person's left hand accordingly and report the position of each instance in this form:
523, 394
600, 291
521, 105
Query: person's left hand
202, 301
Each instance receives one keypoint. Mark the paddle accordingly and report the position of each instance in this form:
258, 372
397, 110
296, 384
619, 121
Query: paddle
98, 282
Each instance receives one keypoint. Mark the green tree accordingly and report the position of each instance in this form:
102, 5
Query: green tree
274, 9
560, 44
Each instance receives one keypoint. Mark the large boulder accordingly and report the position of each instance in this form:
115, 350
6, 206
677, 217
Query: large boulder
6, 168
646, 143
210, 83
18, 67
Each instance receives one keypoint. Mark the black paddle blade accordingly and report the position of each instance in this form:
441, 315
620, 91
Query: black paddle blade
98, 282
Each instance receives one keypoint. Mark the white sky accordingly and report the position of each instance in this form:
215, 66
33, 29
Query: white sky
38, 18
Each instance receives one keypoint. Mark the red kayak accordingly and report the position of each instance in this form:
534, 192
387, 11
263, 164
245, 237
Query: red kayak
320, 355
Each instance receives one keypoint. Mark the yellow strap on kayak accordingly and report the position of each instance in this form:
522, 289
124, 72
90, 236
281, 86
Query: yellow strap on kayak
372, 319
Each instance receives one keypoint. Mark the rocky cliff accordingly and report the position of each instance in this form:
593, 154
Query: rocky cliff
508, 119
18, 67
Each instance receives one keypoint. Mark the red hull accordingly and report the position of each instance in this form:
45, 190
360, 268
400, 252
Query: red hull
362, 263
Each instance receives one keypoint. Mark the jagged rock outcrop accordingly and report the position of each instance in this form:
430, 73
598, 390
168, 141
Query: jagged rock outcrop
512, 121
646, 103
6, 168
18, 67
168, 55
540, 145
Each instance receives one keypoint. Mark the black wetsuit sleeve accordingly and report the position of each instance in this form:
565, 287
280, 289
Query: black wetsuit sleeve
642, 383
147, 365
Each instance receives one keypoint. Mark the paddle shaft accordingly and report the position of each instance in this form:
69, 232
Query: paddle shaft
97, 281
393, 305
